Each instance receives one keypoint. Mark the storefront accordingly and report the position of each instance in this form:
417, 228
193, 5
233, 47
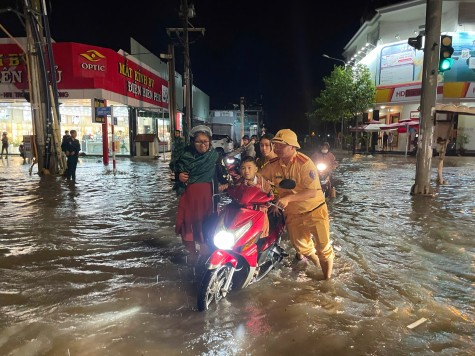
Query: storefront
138, 94
397, 70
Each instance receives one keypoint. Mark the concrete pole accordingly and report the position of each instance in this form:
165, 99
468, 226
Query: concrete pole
37, 93
172, 90
186, 51
429, 94
242, 118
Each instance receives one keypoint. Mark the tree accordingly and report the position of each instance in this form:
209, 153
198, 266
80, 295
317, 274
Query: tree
348, 93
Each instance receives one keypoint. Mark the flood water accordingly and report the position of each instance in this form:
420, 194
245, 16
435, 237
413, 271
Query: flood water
93, 268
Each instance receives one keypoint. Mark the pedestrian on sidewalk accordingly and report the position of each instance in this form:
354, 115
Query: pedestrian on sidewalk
390, 141
72, 153
22, 150
4, 144
65, 141
385, 141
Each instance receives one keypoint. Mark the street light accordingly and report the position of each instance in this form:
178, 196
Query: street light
336, 59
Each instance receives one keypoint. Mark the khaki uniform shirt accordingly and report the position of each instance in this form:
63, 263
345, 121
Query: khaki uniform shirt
302, 170
264, 160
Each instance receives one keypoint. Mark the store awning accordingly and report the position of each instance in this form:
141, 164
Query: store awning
370, 126
358, 128
461, 109
402, 125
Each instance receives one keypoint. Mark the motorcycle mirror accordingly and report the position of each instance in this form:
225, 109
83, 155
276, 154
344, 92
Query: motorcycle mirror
287, 184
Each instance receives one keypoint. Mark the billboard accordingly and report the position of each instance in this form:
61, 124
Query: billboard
80, 66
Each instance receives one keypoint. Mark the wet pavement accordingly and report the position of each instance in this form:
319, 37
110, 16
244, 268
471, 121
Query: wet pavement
93, 268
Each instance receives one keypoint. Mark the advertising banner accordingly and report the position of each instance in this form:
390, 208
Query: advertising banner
463, 69
399, 63
80, 66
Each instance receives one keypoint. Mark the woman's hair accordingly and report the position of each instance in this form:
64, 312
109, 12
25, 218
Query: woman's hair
268, 136
203, 130
200, 133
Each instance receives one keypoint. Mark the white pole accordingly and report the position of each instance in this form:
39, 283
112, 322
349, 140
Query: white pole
163, 131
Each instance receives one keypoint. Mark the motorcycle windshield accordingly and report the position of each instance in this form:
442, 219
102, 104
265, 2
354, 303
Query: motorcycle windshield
246, 195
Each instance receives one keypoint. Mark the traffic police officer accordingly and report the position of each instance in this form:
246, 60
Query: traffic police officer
305, 211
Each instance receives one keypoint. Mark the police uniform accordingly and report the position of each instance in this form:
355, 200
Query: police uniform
303, 218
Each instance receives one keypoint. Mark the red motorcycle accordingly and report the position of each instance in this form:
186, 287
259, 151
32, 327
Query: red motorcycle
241, 257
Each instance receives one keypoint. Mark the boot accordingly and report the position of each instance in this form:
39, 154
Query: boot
327, 267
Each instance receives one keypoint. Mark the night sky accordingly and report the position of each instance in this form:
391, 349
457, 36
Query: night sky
270, 52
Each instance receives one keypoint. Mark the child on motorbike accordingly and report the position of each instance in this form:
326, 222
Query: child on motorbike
250, 177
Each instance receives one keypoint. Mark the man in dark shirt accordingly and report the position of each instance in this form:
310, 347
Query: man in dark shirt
65, 141
72, 152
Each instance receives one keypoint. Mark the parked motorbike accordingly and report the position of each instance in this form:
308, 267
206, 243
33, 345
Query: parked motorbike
324, 174
233, 164
241, 257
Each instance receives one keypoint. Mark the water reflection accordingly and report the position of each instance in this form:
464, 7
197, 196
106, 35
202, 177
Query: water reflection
92, 266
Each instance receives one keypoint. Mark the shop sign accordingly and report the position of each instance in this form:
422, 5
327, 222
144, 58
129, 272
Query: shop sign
103, 110
471, 91
96, 118
402, 93
93, 56
80, 66
415, 115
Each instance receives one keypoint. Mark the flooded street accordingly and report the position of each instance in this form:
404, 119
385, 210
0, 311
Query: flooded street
93, 268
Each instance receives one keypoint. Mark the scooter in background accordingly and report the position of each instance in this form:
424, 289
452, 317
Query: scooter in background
324, 174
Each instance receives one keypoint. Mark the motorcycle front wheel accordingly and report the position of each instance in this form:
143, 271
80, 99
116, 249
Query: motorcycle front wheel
211, 287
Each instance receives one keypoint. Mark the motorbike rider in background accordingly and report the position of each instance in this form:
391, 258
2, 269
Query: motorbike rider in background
325, 156
329, 161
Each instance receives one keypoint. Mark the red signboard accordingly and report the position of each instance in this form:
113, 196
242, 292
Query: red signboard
81, 66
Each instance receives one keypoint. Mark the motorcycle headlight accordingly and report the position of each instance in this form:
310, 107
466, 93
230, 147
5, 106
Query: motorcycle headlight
321, 166
230, 160
225, 240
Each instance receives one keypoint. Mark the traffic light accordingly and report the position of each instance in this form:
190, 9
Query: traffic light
446, 51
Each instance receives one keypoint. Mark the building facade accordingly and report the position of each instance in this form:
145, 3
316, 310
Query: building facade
396, 68
138, 92
253, 120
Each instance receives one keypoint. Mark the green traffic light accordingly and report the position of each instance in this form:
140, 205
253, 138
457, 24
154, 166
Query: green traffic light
446, 64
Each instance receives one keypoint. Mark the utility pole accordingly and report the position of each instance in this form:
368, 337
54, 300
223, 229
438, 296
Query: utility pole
186, 12
242, 118
37, 94
172, 90
428, 98
169, 58
186, 70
